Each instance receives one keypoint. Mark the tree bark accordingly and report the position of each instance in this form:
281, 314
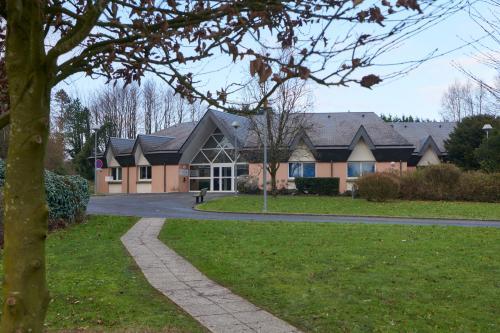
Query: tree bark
25, 294
273, 170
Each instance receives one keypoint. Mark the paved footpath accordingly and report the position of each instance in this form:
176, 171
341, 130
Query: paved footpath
214, 306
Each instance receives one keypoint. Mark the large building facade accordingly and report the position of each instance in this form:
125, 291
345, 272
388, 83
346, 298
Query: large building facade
191, 156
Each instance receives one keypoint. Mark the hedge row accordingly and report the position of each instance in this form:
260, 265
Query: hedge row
438, 182
67, 196
321, 186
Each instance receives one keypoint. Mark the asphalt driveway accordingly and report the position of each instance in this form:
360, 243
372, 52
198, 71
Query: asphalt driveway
180, 205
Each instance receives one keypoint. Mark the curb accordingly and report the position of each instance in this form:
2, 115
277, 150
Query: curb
349, 216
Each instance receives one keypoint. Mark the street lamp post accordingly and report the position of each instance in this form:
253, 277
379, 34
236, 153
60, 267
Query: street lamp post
95, 159
487, 128
235, 125
264, 111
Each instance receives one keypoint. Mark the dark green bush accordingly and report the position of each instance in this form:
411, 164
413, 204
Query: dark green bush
67, 196
378, 187
321, 186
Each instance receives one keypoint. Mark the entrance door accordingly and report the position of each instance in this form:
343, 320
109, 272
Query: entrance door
222, 177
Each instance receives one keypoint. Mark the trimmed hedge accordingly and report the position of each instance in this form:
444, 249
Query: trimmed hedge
436, 182
67, 196
321, 186
378, 187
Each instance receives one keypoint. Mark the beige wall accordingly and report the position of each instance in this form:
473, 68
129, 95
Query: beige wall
144, 187
302, 154
115, 187
110, 160
361, 153
140, 159
429, 158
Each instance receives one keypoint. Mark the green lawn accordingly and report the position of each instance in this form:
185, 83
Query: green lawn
353, 277
357, 207
95, 284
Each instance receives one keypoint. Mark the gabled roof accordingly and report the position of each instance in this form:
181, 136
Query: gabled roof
150, 143
121, 146
179, 133
429, 143
361, 134
340, 128
417, 133
224, 122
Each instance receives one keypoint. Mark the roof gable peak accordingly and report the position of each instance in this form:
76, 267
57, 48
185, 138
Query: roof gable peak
361, 134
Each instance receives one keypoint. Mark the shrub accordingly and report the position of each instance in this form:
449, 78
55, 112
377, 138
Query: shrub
478, 186
441, 181
412, 186
248, 185
378, 187
67, 196
321, 186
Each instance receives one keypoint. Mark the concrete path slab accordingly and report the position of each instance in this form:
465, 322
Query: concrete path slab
214, 306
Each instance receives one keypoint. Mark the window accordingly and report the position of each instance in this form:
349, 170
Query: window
242, 170
199, 177
297, 169
358, 169
145, 172
116, 173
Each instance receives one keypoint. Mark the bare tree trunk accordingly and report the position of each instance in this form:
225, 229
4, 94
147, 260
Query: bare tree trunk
25, 294
273, 170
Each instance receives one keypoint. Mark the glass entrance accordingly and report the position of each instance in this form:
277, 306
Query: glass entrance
222, 177
213, 166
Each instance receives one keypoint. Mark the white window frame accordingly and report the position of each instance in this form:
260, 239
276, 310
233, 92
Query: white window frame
119, 172
150, 173
361, 168
301, 169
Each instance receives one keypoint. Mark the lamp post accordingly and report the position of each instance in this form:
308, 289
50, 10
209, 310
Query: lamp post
235, 125
264, 111
487, 128
95, 129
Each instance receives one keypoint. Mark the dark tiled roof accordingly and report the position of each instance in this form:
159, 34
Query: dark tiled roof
179, 134
324, 130
150, 143
418, 133
122, 146
339, 129
226, 120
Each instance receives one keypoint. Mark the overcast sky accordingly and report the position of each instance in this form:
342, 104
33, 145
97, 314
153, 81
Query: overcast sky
418, 93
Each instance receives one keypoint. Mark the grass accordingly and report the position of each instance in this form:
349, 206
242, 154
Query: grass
356, 207
96, 286
353, 277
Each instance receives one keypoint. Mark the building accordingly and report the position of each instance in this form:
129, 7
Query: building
191, 156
